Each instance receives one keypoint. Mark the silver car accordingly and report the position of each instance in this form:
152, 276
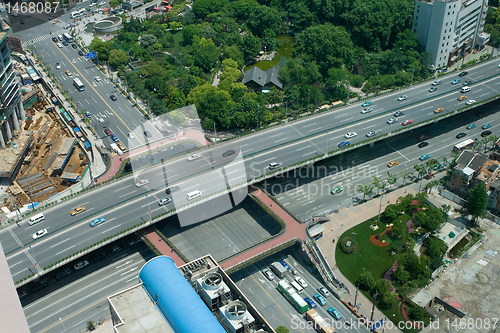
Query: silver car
392, 121
164, 201
370, 134
367, 110
323, 291
268, 274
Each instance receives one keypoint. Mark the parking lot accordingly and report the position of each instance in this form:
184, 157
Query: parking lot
265, 296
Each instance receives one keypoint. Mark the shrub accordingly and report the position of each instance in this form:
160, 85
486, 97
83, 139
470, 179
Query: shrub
348, 250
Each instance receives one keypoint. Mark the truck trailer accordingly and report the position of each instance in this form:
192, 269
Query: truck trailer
278, 269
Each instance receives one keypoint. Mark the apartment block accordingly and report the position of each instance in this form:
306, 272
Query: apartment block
448, 29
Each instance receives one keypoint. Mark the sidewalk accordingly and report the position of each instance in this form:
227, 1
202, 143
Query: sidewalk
161, 246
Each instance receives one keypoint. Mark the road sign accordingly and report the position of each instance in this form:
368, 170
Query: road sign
90, 55
378, 324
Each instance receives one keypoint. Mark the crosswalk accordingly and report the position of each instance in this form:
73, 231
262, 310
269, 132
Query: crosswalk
42, 38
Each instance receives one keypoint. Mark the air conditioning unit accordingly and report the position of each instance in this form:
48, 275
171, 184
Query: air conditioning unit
236, 318
213, 290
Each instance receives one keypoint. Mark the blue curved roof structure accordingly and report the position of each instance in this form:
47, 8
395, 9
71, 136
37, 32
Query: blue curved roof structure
179, 303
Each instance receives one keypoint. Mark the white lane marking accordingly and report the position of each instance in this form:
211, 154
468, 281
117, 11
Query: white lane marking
60, 242
269, 159
16, 264
116, 226
187, 188
125, 263
309, 153
272, 136
304, 148
347, 119
65, 249
369, 127
308, 125
281, 139
315, 129
127, 193
124, 187
484, 94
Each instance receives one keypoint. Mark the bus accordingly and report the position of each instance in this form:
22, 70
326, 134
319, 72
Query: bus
67, 37
467, 144
74, 14
291, 295
320, 325
78, 84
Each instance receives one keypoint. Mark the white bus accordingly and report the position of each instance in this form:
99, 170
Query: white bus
193, 195
74, 14
297, 287
35, 219
67, 37
78, 84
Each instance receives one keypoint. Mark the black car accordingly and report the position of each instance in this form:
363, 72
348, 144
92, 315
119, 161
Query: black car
62, 274
65, 43
100, 257
40, 286
172, 189
54, 39
463, 74
460, 135
485, 133
22, 21
74, 46
423, 144
467, 82
113, 97
399, 113
228, 153
146, 133
80, 53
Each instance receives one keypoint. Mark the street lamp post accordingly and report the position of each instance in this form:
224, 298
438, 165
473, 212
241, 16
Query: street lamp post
33, 252
286, 111
215, 133
326, 152
376, 76
413, 70
252, 167
149, 209
373, 308
308, 98
348, 90
64, 328
380, 207
258, 116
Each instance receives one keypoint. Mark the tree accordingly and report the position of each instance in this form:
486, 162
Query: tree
379, 184
404, 174
391, 212
206, 57
250, 46
366, 280
117, 58
392, 179
282, 329
420, 169
478, 203
366, 190
430, 185
264, 18
202, 8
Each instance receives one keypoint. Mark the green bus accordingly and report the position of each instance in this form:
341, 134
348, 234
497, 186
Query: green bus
291, 295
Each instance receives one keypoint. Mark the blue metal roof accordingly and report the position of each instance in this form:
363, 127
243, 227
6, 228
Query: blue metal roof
179, 303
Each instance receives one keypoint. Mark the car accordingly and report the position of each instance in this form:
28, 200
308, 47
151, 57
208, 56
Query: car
55, 40
467, 82
423, 144
97, 221
88, 114
97, 78
471, 126
141, 182
438, 110
80, 53
114, 137
321, 300
323, 291
486, 126
164, 201
424, 157
228, 153
366, 110
370, 134
433, 89
121, 145
334, 313
116, 249
438, 166
402, 97
392, 121
461, 98
399, 113
344, 144
275, 165
22, 21
39, 233
367, 103
393, 163
65, 43
463, 74
336, 190
310, 302
147, 134
422, 137
131, 135
268, 274
73, 45
68, 73
81, 264
172, 189
107, 131
301, 281
350, 135
113, 97
460, 135
455, 81
40, 286
102, 3
21, 294
58, 66
193, 157
135, 241
78, 210
437, 82
100, 257
470, 101
59, 45
485, 133
282, 262
407, 122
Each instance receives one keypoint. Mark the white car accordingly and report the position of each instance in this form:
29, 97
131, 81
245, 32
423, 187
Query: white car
268, 274
194, 157
98, 79
164, 201
81, 264
59, 45
470, 101
301, 281
367, 110
402, 97
141, 182
437, 82
58, 66
350, 135
39, 234
102, 3
131, 135
392, 121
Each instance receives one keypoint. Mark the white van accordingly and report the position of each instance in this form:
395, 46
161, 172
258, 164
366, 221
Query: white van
193, 195
297, 287
35, 219
60, 37
114, 147
465, 89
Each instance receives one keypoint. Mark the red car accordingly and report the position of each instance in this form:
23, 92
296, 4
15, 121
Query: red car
422, 137
107, 131
407, 122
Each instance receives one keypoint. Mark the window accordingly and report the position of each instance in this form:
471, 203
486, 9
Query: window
416, 18
446, 23
448, 36
415, 24
448, 13
444, 30
418, 10
414, 31
443, 38
447, 43
449, 7
441, 51
453, 12
446, 50
440, 58
442, 45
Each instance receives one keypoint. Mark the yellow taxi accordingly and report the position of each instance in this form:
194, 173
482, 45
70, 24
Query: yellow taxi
78, 210
438, 110
121, 145
461, 98
393, 163
55, 21
68, 73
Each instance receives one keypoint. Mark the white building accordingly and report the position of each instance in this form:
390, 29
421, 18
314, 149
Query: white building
447, 29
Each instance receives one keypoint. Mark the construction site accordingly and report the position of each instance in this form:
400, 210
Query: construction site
43, 157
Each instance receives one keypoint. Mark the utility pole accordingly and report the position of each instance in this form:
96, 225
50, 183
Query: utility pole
348, 90
308, 98
380, 207
327, 137
252, 167
413, 70
376, 76
215, 133
33, 252
149, 209
286, 111
64, 328
373, 308
258, 116
356, 295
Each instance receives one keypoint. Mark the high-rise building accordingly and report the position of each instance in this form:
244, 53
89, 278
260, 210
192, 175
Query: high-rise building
11, 107
449, 29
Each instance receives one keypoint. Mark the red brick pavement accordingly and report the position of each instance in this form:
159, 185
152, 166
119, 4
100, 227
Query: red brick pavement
161, 246
293, 230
